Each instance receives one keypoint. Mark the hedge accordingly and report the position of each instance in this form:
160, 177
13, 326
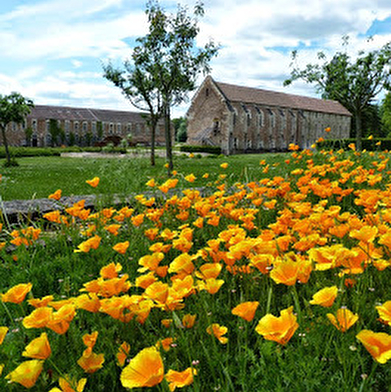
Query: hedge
369, 145
207, 149
18, 152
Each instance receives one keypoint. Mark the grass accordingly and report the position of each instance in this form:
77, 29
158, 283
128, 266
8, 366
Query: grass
317, 221
40, 176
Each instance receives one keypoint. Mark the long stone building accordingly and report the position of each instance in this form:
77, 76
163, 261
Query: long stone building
243, 119
79, 126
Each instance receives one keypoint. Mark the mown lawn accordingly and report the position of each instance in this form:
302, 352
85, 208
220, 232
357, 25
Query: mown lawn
40, 176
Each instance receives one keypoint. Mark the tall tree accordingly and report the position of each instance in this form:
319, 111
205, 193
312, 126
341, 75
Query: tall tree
169, 61
385, 112
353, 82
13, 108
137, 84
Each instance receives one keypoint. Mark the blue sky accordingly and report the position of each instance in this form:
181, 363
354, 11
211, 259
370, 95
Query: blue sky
52, 50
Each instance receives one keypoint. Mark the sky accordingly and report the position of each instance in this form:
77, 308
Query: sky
53, 51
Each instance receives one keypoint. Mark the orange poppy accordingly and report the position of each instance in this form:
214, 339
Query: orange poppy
121, 247
39, 318
377, 344
385, 312
26, 373
94, 182
246, 310
91, 362
56, 195
218, 331
188, 320
180, 379
17, 293
344, 319
279, 329
38, 348
3, 332
325, 297
144, 370
122, 353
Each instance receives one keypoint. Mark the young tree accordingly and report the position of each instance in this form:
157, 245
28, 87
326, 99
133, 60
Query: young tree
13, 108
136, 83
385, 112
165, 65
353, 83
177, 61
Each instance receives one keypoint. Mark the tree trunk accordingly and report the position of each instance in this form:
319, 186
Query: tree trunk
358, 132
153, 138
167, 134
7, 153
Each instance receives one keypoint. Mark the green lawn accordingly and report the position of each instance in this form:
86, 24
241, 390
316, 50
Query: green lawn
40, 176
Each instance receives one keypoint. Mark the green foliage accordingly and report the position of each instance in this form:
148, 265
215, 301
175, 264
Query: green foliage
208, 149
375, 144
385, 111
353, 82
181, 130
54, 131
99, 129
13, 108
28, 133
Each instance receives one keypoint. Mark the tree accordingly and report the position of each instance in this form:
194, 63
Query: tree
13, 108
353, 83
385, 112
166, 63
137, 84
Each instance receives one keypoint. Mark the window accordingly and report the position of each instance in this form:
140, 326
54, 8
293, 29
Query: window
216, 127
119, 128
248, 119
272, 119
93, 127
261, 119
34, 125
67, 126
76, 126
283, 119
111, 128
47, 125
84, 126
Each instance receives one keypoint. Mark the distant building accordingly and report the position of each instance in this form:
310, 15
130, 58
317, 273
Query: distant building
80, 126
243, 119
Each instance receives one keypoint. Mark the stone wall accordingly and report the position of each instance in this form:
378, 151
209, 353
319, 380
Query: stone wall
41, 137
239, 127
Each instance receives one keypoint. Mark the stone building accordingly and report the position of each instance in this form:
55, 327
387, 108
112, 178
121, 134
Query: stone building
243, 119
79, 126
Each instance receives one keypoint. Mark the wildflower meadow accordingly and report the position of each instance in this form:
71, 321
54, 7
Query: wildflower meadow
281, 283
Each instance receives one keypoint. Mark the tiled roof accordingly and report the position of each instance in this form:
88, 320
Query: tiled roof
250, 95
83, 114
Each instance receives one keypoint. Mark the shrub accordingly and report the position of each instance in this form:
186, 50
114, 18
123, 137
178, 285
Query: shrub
207, 149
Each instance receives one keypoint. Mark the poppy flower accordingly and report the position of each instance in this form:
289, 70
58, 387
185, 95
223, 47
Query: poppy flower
39, 318
188, 320
224, 165
385, 312
3, 332
86, 246
91, 362
218, 331
121, 247
17, 293
344, 319
246, 310
180, 379
56, 195
70, 385
325, 297
94, 182
38, 348
144, 370
40, 302
190, 178
110, 271
122, 353
377, 344
26, 373
279, 329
